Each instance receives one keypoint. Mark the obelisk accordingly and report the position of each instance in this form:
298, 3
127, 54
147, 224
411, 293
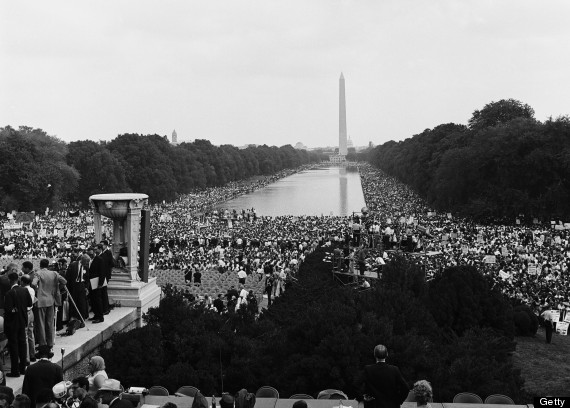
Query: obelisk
342, 150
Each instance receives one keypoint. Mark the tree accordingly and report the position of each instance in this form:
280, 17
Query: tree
460, 299
100, 171
503, 111
33, 171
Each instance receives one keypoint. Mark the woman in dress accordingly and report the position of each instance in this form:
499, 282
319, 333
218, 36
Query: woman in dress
97, 374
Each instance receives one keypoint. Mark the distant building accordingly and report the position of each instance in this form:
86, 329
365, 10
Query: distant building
349, 143
300, 146
174, 138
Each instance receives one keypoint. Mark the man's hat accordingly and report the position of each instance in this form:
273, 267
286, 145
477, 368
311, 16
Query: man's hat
111, 385
44, 352
105, 242
60, 389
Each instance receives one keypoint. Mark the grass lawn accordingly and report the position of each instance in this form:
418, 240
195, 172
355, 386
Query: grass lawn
544, 367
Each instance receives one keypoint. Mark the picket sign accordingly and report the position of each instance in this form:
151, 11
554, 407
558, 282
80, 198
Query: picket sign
532, 269
464, 249
490, 259
480, 238
562, 328
504, 251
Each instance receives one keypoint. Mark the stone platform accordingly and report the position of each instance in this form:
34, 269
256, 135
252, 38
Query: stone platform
83, 343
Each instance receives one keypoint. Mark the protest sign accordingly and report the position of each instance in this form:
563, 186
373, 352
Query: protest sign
490, 259
532, 269
504, 251
480, 238
464, 249
562, 328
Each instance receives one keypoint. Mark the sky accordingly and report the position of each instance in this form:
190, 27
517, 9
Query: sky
266, 72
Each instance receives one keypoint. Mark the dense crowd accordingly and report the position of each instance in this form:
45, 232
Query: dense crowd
195, 233
526, 262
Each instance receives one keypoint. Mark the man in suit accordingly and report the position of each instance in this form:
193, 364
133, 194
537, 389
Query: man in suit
108, 265
49, 298
383, 384
5, 284
97, 279
80, 387
16, 303
77, 283
42, 375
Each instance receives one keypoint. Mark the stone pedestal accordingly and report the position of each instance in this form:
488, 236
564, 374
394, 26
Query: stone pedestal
125, 288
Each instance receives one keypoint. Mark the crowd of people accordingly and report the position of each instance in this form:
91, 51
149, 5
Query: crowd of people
380, 385
526, 262
196, 236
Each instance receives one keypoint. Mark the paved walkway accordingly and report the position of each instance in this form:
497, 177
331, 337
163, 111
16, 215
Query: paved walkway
82, 342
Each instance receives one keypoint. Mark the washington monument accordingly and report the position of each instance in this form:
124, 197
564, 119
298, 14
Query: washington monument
342, 150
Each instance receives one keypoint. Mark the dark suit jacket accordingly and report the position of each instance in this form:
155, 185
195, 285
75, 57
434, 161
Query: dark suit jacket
16, 305
88, 402
97, 270
121, 403
385, 383
41, 375
4, 288
108, 263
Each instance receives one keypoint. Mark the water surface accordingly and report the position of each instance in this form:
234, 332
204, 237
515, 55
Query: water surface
322, 191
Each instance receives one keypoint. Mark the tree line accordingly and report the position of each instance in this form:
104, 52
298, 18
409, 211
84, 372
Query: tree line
38, 170
454, 331
504, 163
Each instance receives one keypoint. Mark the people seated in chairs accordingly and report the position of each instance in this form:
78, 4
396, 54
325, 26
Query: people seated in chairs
423, 393
227, 401
109, 393
97, 374
80, 388
22, 401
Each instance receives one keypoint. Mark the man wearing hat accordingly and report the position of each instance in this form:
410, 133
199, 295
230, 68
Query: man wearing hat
42, 375
109, 394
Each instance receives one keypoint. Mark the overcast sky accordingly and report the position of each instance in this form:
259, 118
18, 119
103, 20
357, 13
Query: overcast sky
242, 72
